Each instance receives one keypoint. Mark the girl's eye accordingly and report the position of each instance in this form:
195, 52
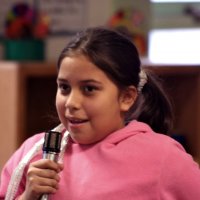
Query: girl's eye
89, 89
64, 88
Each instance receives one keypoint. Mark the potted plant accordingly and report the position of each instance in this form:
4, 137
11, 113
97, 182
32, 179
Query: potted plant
25, 31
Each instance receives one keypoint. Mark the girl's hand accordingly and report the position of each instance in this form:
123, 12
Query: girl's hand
42, 178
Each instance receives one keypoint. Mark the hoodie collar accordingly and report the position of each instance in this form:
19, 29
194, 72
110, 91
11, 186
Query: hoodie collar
131, 129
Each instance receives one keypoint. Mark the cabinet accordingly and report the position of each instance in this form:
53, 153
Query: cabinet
27, 93
182, 83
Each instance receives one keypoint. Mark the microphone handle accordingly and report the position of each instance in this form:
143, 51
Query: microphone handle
50, 156
44, 197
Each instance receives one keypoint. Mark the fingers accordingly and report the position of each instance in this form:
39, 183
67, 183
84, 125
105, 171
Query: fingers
47, 164
42, 178
43, 173
44, 170
42, 185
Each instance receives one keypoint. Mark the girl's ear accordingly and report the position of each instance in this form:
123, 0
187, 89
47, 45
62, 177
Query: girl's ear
127, 98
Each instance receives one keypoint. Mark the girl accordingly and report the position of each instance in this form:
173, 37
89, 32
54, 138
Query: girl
111, 112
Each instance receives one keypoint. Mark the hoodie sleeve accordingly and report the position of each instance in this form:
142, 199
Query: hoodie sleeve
180, 176
13, 162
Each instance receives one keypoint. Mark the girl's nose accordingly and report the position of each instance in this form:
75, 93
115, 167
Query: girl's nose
73, 101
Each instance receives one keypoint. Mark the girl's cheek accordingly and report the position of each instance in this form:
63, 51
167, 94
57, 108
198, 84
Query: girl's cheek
59, 107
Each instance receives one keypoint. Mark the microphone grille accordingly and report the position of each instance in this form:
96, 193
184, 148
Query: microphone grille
52, 142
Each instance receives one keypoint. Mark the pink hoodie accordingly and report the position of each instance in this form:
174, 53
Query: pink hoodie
131, 163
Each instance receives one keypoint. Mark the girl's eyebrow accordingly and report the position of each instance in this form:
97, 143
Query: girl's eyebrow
91, 81
61, 80
82, 81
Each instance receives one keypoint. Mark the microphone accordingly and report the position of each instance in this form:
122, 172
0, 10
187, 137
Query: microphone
51, 149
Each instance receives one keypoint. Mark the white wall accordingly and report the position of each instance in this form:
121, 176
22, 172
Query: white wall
98, 12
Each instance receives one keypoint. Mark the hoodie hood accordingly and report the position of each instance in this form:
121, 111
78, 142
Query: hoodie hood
131, 129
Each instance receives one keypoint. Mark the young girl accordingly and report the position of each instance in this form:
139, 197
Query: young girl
111, 114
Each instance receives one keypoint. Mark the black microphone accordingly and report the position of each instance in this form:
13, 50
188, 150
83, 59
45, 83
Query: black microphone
51, 149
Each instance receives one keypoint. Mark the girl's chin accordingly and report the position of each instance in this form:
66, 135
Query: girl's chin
80, 140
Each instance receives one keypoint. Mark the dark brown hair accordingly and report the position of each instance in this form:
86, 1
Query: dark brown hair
117, 56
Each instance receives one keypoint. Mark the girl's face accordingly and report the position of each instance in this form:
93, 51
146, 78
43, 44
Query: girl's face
88, 102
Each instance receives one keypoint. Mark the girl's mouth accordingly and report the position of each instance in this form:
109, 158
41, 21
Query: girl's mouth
77, 121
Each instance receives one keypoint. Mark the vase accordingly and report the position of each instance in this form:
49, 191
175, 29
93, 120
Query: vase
24, 49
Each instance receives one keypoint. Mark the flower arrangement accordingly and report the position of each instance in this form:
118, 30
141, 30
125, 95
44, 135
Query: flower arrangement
129, 22
22, 22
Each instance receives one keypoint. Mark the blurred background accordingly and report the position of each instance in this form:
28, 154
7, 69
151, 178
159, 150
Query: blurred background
33, 32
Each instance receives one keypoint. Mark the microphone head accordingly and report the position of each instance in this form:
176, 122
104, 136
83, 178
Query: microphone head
52, 142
